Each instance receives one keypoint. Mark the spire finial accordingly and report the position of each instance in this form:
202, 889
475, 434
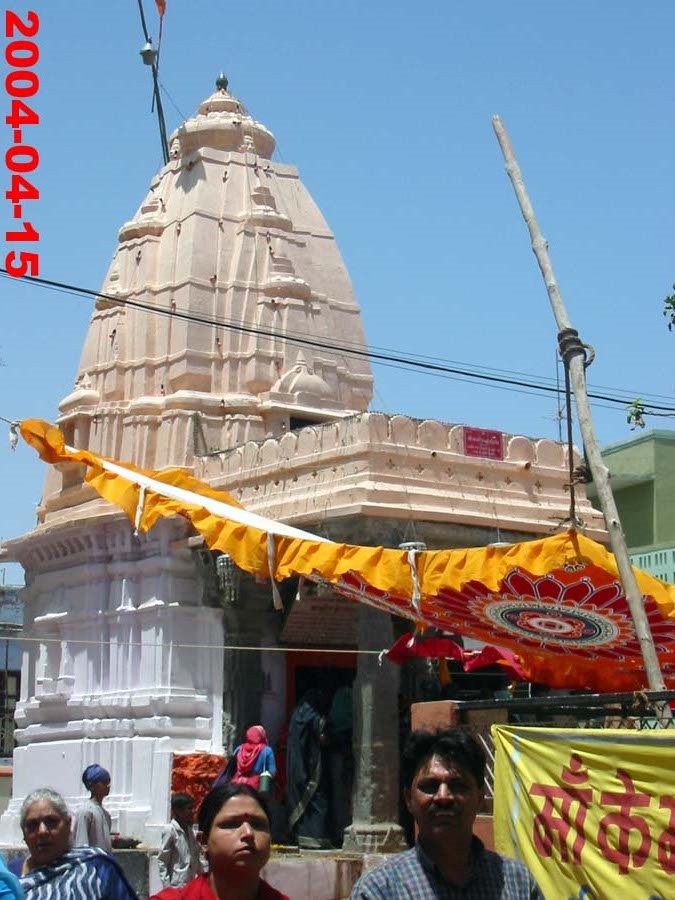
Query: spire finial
221, 82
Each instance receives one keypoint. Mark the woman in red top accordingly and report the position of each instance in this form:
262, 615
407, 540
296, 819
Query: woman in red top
234, 826
249, 760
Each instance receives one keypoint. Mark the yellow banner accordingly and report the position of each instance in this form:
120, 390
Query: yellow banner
591, 813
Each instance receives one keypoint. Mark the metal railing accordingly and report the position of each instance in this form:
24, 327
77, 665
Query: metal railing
641, 711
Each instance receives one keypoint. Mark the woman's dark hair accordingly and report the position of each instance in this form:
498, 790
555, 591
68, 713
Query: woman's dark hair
218, 797
454, 745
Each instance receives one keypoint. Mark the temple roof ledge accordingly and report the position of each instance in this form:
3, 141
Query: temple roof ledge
381, 431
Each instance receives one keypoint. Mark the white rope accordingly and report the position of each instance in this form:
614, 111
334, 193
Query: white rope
139, 509
217, 507
416, 591
159, 645
272, 565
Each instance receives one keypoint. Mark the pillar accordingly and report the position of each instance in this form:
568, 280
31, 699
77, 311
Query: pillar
375, 827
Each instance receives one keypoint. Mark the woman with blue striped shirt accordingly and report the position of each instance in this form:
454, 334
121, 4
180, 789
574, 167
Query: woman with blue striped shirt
52, 869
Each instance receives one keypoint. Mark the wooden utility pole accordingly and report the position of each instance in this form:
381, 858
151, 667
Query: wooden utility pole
574, 354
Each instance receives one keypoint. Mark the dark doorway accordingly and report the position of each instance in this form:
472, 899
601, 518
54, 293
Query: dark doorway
326, 679
325, 671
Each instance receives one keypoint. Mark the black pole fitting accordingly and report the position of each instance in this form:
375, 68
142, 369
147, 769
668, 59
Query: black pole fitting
570, 345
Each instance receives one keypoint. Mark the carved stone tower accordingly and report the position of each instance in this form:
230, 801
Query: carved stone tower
224, 235
211, 331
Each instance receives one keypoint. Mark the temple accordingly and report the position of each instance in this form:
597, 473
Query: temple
220, 343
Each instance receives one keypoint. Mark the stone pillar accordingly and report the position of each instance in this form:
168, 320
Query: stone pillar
375, 827
251, 621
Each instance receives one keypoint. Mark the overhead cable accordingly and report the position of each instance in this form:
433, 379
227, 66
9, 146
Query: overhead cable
408, 361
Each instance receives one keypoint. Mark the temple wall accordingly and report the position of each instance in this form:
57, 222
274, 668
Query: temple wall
386, 465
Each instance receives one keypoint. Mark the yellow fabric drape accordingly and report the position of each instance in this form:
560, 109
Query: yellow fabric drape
384, 569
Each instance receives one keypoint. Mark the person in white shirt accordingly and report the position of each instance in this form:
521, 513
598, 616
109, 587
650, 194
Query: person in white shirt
92, 821
179, 858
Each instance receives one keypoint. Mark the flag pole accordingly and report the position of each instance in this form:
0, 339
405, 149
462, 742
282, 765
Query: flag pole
573, 352
155, 80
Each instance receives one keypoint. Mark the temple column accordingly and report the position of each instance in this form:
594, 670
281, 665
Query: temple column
375, 827
250, 621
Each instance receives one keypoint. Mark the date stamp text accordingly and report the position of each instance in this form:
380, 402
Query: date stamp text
22, 158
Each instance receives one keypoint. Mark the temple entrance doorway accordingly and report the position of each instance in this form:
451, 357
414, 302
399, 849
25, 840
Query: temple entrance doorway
331, 673
326, 671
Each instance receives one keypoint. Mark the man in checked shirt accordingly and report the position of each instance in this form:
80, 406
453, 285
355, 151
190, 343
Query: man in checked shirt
443, 777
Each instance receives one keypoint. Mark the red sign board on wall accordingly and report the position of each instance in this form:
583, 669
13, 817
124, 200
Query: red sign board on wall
481, 442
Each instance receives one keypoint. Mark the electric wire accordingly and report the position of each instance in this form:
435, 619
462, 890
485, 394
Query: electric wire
226, 647
289, 337
182, 115
344, 347
350, 348
157, 97
458, 379
163, 645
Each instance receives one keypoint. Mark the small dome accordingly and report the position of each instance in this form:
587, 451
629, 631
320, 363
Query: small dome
301, 380
77, 399
222, 123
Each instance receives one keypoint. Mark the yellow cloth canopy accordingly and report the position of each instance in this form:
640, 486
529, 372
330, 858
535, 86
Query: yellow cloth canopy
557, 602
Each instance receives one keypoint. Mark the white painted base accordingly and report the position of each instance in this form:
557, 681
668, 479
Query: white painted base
140, 770
127, 670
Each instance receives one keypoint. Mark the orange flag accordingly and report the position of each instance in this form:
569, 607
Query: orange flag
161, 9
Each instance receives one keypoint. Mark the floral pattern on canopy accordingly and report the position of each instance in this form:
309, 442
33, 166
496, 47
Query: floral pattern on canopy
570, 629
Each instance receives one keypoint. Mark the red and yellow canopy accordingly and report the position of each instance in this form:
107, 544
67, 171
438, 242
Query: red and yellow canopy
557, 602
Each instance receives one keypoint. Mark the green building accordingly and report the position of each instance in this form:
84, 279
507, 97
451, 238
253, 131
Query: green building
642, 472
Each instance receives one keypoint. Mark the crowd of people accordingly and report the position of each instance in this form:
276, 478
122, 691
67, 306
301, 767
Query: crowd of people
443, 781
234, 835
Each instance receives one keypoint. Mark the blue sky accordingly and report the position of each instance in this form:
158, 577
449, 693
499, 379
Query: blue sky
386, 110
